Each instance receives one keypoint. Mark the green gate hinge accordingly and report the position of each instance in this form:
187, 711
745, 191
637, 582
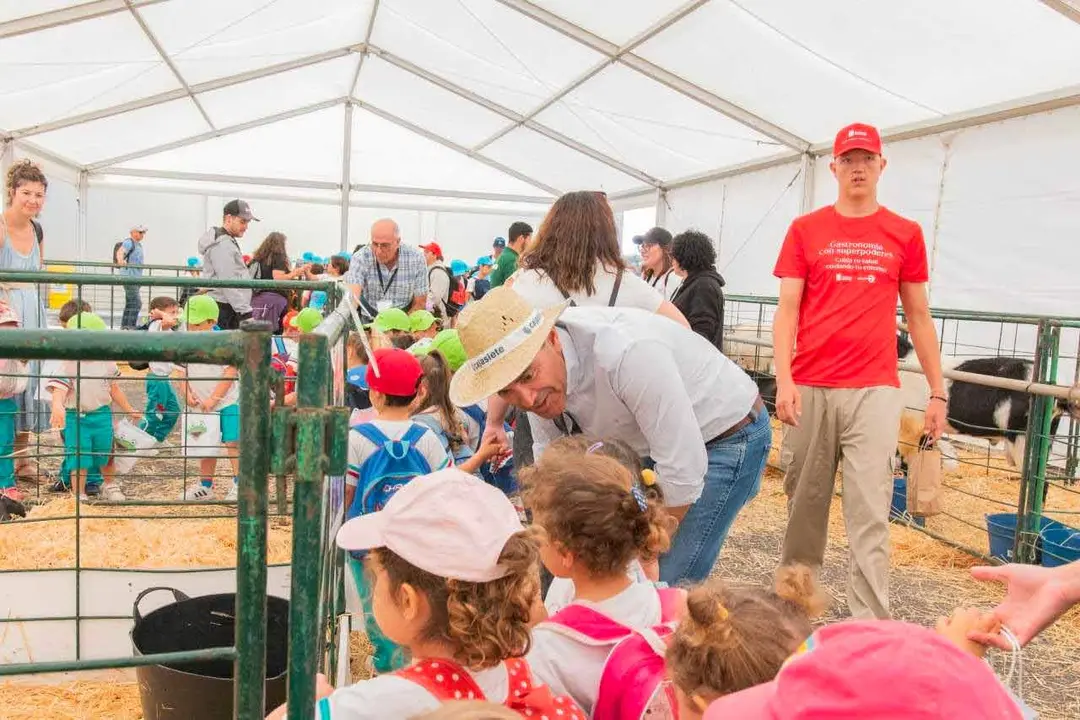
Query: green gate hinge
283, 440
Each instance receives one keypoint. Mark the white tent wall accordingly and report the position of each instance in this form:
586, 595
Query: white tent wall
747, 216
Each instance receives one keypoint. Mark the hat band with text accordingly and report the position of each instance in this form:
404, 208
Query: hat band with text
509, 343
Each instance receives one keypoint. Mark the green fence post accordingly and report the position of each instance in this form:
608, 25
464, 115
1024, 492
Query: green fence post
304, 619
250, 672
1036, 447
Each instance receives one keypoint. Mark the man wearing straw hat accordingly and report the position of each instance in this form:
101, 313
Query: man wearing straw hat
626, 374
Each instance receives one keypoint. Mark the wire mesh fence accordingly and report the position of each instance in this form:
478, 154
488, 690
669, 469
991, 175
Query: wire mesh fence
1009, 478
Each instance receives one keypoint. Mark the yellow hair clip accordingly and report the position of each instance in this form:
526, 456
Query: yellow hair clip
722, 613
648, 478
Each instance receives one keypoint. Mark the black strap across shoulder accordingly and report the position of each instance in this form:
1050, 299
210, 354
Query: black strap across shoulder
611, 300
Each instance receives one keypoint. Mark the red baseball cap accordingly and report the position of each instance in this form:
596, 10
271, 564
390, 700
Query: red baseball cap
399, 373
881, 669
857, 137
433, 248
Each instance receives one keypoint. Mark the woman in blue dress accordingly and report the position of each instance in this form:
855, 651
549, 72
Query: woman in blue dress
21, 242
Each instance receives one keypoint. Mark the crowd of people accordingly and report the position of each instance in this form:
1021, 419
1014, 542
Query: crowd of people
547, 451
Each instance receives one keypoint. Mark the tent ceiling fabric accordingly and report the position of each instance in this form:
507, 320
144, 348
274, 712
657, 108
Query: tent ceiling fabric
505, 96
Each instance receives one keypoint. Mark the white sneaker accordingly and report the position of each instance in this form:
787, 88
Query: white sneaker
231, 495
112, 493
83, 498
197, 493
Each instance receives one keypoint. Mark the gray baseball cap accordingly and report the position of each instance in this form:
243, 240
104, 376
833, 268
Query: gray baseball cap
240, 209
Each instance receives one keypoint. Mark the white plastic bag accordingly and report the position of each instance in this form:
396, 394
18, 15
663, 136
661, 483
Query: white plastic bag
132, 444
202, 435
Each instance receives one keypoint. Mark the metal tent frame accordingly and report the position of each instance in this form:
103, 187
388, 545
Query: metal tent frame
798, 149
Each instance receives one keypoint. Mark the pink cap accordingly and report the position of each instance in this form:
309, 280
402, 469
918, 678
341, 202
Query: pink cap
857, 136
879, 669
8, 315
449, 523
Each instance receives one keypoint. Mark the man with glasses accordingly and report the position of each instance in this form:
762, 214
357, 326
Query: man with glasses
841, 269
224, 260
386, 274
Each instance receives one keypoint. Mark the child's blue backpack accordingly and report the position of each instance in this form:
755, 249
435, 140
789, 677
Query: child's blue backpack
430, 421
388, 469
501, 476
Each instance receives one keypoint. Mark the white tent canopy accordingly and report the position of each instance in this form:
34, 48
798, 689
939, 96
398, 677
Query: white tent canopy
459, 116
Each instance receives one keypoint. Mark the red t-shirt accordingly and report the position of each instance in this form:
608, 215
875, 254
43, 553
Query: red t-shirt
853, 268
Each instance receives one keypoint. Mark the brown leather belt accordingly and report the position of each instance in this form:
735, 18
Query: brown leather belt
754, 414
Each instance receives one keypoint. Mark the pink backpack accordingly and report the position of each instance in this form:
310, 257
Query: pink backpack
634, 682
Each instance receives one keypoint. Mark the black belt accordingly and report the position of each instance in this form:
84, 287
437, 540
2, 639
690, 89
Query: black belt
754, 414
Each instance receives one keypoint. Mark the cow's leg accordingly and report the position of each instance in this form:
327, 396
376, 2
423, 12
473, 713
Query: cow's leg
949, 461
1015, 446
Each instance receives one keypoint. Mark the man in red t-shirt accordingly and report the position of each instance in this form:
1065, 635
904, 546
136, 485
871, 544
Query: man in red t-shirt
834, 345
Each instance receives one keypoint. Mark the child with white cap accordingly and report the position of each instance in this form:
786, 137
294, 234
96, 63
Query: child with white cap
455, 580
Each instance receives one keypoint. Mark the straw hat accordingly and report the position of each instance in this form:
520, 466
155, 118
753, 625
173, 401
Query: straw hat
501, 335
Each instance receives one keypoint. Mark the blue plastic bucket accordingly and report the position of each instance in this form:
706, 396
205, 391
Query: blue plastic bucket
1001, 528
898, 509
1061, 546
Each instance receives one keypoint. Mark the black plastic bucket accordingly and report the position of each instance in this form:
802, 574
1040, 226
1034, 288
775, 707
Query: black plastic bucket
203, 690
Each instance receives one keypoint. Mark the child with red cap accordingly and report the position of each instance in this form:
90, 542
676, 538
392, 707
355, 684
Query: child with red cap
385, 454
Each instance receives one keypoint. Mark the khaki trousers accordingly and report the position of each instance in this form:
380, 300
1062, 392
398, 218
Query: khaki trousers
859, 428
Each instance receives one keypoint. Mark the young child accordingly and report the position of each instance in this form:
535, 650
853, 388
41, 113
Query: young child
162, 405
422, 324
72, 308
734, 637
211, 390
881, 669
338, 267
454, 577
376, 471
356, 389
82, 407
392, 322
479, 284
13, 381
434, 409
594, 521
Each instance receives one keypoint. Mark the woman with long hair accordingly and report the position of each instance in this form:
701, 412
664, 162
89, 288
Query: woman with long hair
657, 267
270, 261
575, 255
22, 242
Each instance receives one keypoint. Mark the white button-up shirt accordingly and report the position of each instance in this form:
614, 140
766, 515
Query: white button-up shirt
646, 380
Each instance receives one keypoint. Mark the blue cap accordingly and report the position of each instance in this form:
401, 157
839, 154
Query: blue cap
499, 242
192, 261
486, 260
317, 299
307, 256
357, 376
458, 267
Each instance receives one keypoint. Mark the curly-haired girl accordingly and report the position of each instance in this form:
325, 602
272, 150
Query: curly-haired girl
734, 637
454, 582
594, 521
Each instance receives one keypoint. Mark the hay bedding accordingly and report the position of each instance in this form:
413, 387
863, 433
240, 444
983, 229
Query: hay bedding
78, 700
130, 544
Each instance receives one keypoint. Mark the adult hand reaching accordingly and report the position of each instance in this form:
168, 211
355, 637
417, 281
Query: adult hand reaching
788, 403
1034, 598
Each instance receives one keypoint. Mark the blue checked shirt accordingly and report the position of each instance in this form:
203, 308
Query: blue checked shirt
134, 260
397, 286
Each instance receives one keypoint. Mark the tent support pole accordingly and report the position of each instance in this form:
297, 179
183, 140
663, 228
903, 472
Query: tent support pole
81, 215
346, 175
661, 207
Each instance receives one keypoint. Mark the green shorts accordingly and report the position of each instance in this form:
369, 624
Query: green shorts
230, 423
88, 438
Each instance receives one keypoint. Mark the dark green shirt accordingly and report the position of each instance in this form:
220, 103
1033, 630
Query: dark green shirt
505, 266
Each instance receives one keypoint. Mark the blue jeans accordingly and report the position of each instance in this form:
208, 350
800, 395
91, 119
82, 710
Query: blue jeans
132, 307
733, 478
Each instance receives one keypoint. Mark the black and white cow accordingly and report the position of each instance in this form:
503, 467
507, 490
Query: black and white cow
976, 410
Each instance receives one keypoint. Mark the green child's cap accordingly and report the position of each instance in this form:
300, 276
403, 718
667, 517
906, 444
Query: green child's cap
420, 320
86, 321
199, 309
306, 320
448, 342
392, 319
